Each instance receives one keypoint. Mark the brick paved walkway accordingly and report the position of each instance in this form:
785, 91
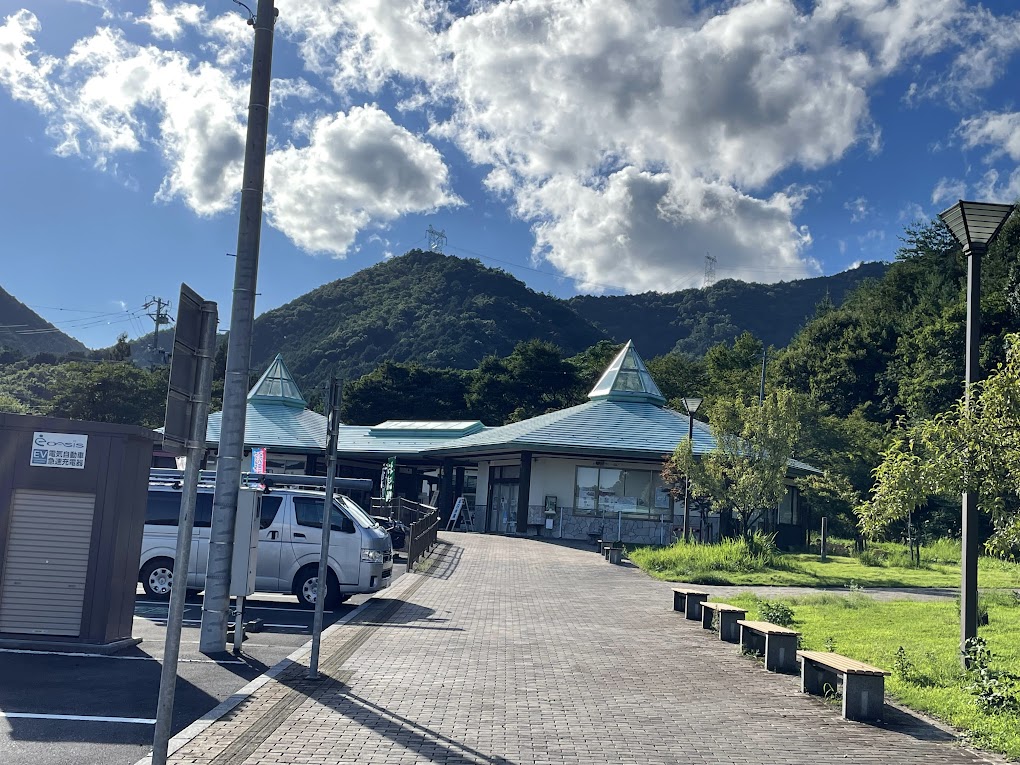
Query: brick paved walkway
516, 651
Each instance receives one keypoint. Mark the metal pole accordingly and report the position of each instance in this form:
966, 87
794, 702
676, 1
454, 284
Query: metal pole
969, 562
239, 625
242, 315
823, 543
332, 420
178, 594
687, 480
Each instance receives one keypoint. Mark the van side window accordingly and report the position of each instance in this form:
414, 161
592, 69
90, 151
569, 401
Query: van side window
308, 512
163, 508
270, 506
203, 511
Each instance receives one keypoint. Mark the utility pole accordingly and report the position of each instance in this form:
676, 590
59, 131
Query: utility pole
242, 314
160, 316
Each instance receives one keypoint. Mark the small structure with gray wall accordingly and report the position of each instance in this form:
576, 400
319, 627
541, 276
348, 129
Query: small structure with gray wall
72, 510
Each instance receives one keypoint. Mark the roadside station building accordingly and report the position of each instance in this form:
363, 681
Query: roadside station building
591, 469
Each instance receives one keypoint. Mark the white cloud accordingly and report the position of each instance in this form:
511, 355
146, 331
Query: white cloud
948, 190
23, 72
355, 169
912, 212
1000, 131
168, 23
651, 231
859, 209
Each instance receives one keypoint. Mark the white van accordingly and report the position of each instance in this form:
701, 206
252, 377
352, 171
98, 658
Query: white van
290, 536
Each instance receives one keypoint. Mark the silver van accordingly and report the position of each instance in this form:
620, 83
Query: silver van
290, 535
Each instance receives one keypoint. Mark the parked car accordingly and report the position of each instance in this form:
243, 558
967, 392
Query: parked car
290, 538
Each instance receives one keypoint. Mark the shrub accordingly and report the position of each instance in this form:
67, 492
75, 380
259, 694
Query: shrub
776, 612
870, 557
693, 560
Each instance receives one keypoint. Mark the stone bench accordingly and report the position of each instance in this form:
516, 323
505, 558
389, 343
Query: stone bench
689, 601
728, 615
780, 644
863, 685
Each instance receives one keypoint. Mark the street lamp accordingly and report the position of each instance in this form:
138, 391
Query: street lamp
973, 225
691, 405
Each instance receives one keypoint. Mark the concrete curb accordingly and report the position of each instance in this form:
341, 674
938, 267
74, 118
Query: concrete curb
229, 703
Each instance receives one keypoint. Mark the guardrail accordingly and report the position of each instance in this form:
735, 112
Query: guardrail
423, 537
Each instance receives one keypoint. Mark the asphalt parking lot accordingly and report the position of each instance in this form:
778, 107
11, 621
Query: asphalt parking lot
84, 709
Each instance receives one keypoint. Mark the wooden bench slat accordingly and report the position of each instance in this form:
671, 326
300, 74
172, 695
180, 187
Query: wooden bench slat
722, 607
767, 628
688, 591
841, 663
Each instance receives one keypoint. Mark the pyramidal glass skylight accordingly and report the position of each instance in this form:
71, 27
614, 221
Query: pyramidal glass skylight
277, 386
627, 379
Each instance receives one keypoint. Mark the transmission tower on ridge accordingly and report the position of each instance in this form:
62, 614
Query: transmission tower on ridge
709, 271
437, 239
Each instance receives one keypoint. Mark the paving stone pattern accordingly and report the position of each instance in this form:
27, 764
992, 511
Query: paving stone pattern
519, 651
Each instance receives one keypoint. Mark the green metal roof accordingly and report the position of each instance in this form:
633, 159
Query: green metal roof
627, 379
624, 429
277, 426
277, 386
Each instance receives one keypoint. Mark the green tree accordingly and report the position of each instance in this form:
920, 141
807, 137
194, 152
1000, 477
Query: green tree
679, 375
10, 404
973, 446
110, 392
746, 471
404, 392
532, 380
734, 370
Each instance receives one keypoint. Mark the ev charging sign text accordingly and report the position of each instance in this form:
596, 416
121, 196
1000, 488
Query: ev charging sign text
59, 450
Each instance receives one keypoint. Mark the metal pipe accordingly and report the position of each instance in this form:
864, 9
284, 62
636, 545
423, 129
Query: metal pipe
185, 523
332, 421
242, 315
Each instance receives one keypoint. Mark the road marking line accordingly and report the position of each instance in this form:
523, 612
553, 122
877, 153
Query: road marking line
83, 718
247, 607
110, 656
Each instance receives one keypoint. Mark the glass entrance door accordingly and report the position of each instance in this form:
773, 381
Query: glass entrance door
503, 509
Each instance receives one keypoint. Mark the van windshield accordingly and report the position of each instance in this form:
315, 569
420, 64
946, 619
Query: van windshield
354, 510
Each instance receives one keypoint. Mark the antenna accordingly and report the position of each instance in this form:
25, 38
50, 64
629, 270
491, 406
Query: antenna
709, 271
437, 239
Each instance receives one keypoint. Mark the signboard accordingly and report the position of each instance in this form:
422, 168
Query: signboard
389, 475
184, 370
59, 450
258, 460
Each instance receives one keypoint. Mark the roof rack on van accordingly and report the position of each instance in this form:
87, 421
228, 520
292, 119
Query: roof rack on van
277, 480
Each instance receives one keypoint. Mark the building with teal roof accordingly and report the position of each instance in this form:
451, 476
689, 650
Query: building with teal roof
595, 468
588, 469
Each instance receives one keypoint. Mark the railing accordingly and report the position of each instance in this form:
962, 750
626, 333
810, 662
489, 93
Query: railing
400, 509
423, 537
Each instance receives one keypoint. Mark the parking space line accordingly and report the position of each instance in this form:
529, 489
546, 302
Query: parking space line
247, 607
302, 627
82, 718
111, 656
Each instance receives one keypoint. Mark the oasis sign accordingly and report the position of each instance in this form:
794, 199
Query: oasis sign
59, 450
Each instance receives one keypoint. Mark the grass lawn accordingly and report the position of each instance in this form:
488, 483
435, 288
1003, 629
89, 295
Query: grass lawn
931, 680
717, 564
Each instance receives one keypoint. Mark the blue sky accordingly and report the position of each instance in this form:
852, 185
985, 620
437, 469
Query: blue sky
584, 147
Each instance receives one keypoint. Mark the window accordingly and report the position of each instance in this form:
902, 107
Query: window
270, 506
164, 509
308, 512
609, 491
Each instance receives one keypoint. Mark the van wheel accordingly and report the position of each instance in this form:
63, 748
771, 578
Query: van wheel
158, 578
306, 585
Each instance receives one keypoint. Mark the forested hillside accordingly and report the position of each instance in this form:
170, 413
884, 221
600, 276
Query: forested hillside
423, 307
441, 311
24, 331
692, 321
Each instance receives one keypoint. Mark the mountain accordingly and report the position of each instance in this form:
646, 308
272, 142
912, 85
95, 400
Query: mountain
692, 321
424, 307
444, 311
25, 331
